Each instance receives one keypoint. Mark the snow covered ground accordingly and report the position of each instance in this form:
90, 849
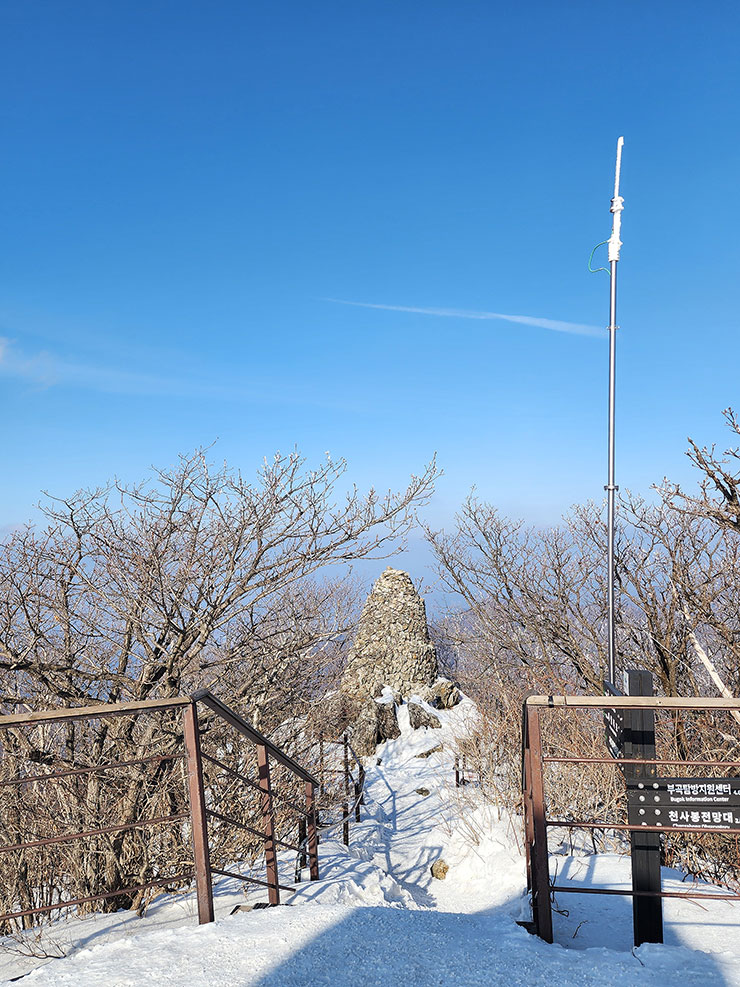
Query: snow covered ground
378, 917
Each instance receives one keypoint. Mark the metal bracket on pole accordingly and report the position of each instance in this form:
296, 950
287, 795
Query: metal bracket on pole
616, 209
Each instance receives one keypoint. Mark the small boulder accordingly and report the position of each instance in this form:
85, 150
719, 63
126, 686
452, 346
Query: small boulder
443, 694
447, 693
365, 729
422, 791
432, 750
376, 723
420, 717
388, 728
439, 869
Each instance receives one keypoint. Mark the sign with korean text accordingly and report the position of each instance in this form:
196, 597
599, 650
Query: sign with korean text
683, 791
691, 816
673, 803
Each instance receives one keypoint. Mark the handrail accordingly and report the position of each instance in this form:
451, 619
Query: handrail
233, 719
188, 747
92, 769
632, 702
92, 712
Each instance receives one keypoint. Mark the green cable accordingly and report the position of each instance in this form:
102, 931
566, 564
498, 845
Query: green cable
595, 270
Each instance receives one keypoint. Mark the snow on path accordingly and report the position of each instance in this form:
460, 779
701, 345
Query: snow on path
378, 917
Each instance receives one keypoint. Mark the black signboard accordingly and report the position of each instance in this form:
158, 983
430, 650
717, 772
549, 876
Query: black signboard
679, 792
695, 816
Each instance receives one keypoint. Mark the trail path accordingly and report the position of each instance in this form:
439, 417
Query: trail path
378, 917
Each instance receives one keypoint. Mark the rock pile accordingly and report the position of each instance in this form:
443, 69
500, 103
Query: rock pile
391, 660
392, 646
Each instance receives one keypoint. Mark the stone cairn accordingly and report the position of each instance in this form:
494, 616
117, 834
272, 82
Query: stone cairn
392, 646
392, 649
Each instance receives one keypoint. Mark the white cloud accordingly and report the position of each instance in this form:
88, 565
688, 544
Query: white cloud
555, 325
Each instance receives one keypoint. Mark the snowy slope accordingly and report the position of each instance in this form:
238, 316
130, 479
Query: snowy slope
378, 917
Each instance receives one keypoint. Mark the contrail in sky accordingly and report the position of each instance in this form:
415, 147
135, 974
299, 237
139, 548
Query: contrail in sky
555, 325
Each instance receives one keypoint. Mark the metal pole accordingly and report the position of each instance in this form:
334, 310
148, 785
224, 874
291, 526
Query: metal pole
611, 488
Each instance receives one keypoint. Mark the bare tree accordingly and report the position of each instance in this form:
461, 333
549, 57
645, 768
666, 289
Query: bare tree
530, 612
196, 578
137, 591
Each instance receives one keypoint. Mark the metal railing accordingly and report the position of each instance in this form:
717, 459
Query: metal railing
352, 784
266, 753
193, 797
537, 824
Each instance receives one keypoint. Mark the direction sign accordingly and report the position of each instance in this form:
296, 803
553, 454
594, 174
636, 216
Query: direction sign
695, 816
678, 792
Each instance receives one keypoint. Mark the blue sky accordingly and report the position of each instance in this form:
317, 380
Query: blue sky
186, 186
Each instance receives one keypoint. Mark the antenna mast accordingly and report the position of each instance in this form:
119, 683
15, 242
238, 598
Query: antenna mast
614, 245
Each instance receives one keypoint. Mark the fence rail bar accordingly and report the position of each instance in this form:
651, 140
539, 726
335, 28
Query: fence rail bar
288, 846
234, 822
236, 721
185, 876
284, 798
628, 892
67, 837
92, 712
249, 829
632, 702
89, 770
252, 880
232, 771
632, 760
566, 824
252, 784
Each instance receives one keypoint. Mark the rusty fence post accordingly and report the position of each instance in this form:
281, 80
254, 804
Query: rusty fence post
302, 837
313, 845
198, 819
345, 806
527, 797
321, 763
540, 862
457, 771
268, 823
